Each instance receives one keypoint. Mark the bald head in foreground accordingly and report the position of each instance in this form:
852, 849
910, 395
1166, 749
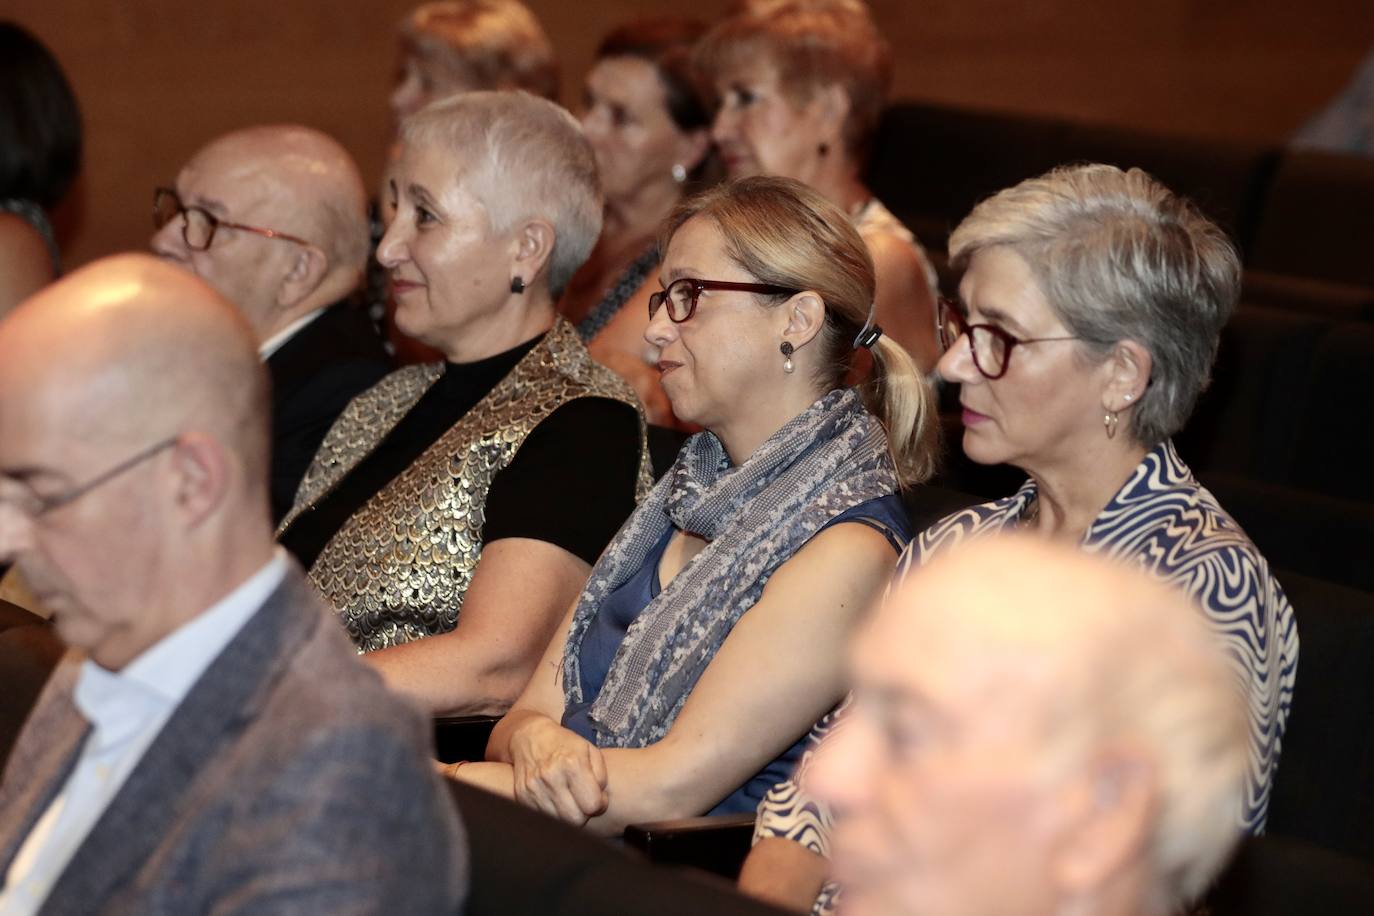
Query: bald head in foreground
1035, 731
210, 742
275, 219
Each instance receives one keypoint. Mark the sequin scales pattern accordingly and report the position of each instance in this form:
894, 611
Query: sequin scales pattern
399, 567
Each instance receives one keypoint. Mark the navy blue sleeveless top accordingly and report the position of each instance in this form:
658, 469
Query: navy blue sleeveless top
885, 514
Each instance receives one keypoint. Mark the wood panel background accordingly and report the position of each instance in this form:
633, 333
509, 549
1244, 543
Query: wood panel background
156, 79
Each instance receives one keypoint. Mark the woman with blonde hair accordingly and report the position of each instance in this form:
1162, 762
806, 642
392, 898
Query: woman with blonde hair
708, 639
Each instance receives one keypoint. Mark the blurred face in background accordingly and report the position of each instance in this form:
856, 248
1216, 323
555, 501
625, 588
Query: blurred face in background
632, 133
760, 130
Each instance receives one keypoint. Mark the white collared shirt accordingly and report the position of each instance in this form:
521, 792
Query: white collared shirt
127, 709
278, 340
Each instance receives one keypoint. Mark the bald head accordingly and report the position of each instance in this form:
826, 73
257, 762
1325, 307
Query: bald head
130, 348
1081, 737
308, 185
1030, 612
288, 179
133, 452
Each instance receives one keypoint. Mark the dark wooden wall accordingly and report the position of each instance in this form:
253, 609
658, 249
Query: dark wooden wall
156, 79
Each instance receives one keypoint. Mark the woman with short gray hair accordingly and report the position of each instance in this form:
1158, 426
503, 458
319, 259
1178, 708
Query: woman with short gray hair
1091, 306
454, 510
1088, 318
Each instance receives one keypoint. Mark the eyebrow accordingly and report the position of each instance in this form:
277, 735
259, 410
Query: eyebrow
23, 475
678, 273
420, 193
1000, 318
209, 203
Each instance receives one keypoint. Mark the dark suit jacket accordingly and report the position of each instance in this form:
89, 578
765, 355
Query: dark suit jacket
287, 781
314, 376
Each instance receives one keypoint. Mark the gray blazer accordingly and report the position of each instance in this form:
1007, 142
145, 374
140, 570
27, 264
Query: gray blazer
288, 781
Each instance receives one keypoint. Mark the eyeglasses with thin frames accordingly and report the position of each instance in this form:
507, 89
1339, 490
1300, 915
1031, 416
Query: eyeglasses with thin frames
991, 346
35, 506
199, 224
681, 295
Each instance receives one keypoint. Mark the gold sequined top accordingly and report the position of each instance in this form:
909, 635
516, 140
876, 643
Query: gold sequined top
398, 569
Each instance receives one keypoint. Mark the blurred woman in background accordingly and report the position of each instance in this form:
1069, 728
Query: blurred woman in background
648, 126
801, 86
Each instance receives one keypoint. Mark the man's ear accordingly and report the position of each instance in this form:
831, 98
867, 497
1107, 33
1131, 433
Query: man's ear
303, 277
533, 246
1107, 817
805, 317
202, 471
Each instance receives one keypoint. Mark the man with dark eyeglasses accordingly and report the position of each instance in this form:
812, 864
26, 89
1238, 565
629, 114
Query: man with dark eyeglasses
210, 742
275, 219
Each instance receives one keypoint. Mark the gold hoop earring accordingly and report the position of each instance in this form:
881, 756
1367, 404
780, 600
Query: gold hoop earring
1109, 421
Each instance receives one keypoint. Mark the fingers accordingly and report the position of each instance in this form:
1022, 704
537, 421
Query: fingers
568, 784
588, 789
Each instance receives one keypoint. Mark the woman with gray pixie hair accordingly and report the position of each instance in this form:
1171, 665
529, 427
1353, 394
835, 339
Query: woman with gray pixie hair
1089, 313
454, 510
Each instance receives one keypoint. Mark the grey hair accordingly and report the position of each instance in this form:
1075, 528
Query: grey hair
524, 158
1120, 257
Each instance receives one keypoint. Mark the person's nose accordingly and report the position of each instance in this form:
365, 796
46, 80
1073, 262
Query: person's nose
723, 127
956, 366
661, 330
16, 529
394, 248
594, 124
170, 241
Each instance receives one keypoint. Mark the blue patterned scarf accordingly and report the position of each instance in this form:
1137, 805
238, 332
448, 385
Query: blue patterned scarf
829, 458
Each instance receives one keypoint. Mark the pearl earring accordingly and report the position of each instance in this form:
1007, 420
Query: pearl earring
786, 349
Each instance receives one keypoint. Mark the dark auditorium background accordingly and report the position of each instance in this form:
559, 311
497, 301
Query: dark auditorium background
157, 78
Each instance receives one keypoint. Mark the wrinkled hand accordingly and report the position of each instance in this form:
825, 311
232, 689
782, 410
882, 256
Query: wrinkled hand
558, 772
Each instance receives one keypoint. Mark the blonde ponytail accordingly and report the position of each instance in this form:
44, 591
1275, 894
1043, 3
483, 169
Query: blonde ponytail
904, 402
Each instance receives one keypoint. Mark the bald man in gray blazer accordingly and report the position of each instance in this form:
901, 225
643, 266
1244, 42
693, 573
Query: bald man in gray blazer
210, 743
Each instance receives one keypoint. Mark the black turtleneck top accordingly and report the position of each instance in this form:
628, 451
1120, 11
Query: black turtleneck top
572, 482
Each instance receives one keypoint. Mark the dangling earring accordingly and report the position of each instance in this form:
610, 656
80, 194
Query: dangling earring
786, 349
517, 285
679, 172
1109, 421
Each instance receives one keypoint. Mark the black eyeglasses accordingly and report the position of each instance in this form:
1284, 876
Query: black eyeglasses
33, 505
681, 295
199, 224
991, 346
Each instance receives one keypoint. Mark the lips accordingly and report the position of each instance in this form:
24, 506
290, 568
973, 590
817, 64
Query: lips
973, 418
667, 365
400, 287
734, 161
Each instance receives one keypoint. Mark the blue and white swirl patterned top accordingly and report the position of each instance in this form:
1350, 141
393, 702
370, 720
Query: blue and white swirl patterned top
1172, 527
